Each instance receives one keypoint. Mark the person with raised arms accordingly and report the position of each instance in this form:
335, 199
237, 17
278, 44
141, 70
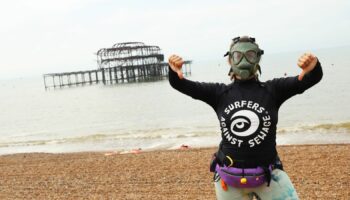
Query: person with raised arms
247, 164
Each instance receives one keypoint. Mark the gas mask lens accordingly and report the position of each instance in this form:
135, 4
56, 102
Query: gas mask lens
251, 56
237, 57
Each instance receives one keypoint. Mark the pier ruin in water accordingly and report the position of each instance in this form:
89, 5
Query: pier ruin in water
123, 63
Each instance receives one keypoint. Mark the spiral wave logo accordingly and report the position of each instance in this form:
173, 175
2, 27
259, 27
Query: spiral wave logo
244, 123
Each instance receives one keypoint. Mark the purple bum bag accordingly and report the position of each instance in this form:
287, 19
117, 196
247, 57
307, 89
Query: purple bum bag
242, 178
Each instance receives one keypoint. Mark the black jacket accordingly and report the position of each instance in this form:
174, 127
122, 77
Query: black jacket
248, 111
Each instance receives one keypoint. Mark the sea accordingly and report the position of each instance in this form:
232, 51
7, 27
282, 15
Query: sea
153, 116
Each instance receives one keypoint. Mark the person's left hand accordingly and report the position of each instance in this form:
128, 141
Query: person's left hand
307, 63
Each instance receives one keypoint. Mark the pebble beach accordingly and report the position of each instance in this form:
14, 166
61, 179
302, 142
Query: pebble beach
317, 171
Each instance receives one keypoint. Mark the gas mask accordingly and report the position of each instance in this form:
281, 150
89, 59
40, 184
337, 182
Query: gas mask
244, 56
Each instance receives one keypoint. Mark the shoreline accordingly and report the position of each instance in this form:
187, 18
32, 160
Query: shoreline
154, 149
317, 171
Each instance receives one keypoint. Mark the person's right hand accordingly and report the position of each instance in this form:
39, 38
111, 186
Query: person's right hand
176, 63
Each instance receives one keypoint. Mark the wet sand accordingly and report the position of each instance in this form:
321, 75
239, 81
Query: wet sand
317, 171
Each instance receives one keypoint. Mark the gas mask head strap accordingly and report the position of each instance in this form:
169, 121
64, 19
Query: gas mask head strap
244, 39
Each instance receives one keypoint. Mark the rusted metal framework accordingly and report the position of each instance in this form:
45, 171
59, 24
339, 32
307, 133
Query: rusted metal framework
122, 63
129, 54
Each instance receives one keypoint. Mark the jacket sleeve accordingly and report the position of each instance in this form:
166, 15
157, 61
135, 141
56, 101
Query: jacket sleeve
284, 88
207, 92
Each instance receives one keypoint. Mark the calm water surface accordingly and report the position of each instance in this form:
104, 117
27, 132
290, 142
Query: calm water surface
152, 115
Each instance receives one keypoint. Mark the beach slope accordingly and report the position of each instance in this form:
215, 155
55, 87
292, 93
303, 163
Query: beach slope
317, 171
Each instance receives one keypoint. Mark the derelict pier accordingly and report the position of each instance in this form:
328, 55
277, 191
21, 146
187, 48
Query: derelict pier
122, 63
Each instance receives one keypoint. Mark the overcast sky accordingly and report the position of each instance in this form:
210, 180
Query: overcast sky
43, 36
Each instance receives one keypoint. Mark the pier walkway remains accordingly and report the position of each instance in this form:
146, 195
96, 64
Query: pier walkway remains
122, 63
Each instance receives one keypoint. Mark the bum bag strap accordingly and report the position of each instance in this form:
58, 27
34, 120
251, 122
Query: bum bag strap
220, 158
278, 164
267, 173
